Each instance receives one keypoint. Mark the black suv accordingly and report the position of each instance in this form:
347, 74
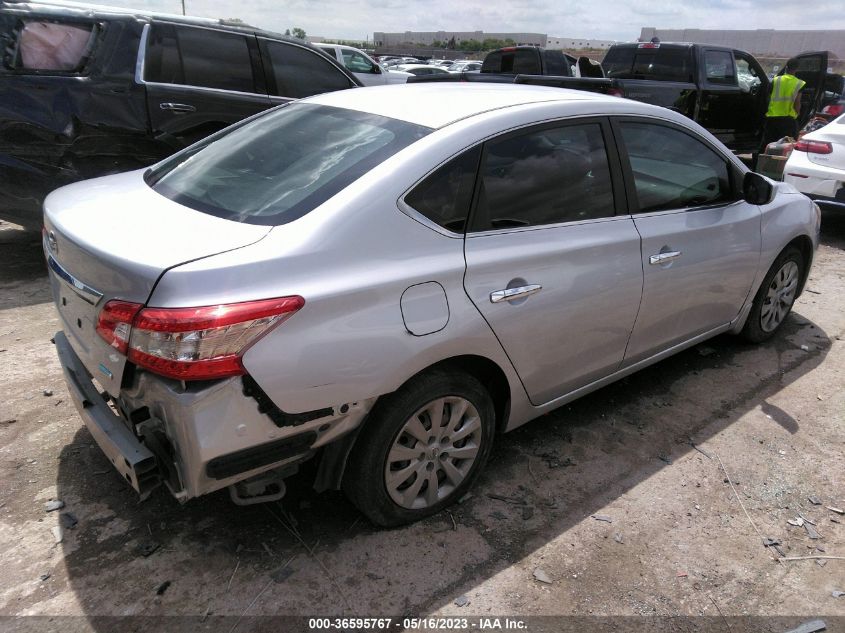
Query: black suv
84, 93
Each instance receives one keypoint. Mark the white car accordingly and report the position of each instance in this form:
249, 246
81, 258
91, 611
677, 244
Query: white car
422, 69
816, 166
362, 65
465, 67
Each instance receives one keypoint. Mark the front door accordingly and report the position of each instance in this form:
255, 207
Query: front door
812, 68
550, 265
700, 240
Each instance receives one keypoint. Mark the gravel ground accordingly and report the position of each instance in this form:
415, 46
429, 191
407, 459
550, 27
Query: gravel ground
647, 498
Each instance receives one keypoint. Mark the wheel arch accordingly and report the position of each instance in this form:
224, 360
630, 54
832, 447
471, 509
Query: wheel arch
335, 456
805, 245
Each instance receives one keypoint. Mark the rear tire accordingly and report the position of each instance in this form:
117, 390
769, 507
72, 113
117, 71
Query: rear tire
776, 295
421, 448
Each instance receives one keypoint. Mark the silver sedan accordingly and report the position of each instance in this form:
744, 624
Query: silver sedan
384, 280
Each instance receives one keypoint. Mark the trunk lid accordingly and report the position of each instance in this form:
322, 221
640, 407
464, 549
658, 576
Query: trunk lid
112, 238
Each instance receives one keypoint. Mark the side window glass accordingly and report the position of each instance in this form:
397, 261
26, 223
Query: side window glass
545, 177
356, 62
50, 46
444, 197
720, 67
673, 170
300, 72
199, 57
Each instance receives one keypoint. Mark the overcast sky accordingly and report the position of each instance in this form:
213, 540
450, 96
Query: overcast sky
601, 19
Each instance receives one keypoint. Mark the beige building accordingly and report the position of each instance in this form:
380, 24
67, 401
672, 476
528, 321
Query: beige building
427, 38
577, 43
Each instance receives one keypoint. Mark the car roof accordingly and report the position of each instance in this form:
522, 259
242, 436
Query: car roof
436, 105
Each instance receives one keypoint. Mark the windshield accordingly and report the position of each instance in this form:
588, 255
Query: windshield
280, 166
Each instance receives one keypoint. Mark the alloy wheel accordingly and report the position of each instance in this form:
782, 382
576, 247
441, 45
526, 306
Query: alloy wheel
779, 297
433, 452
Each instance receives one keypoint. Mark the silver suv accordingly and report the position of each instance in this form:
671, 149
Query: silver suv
267, 295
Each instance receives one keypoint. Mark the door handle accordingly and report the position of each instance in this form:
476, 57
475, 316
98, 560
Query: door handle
510, 294
662, 258
178, 108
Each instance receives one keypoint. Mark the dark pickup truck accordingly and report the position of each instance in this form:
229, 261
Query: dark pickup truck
88, 92
537, 66
723, 89
532, 60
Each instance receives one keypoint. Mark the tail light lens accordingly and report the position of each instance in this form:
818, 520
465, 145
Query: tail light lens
615, 92
114, 323
834, 109
200, 343
814, 147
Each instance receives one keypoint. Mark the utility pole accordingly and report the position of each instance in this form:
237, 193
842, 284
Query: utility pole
183, 7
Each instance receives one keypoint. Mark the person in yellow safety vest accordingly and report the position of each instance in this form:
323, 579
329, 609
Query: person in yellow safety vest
784, 107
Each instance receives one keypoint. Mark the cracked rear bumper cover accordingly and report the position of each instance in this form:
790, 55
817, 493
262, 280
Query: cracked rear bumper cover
134, 461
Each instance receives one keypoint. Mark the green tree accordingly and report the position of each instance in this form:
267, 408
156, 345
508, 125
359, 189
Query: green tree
298, 33
437, 44
287, 32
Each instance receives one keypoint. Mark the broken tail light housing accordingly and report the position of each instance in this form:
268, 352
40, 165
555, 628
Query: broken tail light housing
201, 343
814, 147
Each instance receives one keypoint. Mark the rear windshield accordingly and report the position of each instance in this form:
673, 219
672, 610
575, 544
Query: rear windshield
280, 166
661, 64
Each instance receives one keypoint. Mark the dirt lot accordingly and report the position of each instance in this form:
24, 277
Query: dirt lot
620, 500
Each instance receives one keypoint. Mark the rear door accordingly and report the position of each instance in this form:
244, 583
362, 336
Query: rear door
700, 240
551, 265
200, 80
812, 68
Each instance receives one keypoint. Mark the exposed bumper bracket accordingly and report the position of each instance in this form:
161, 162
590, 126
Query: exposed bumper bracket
134, 461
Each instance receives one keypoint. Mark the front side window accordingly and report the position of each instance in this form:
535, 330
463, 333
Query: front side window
50, 46
720, 68
445, 196
194, 56
548, 176
673, 170
356, 62
280, 166
299, 72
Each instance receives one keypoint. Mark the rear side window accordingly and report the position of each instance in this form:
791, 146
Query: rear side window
720, 68
547, 176
281, 165
557, 64
445, 196
194, 56
299, 72
663, 64
50, 46
673, 170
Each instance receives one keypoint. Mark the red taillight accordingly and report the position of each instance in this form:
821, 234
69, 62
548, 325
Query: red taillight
114, 324
814, 147
200, 343
834, 109
615, 92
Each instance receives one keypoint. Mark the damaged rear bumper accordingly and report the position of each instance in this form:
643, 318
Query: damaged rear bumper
134, 461
197, 438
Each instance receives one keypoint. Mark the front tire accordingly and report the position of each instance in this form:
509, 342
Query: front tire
421, 449
775, 297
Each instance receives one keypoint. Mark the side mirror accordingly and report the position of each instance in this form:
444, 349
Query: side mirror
756, 189
375, 69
